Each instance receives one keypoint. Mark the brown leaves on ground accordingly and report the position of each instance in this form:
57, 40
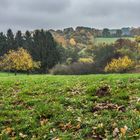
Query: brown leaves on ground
77, 89
9, 131
67, 126
108, 106
103, 91
116, 132
55, 138
122, 132
22, 135
43, 122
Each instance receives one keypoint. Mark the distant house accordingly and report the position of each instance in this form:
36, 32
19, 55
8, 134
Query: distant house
126, 31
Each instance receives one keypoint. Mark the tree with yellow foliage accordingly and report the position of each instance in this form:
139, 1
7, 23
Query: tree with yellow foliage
85, 60
119, 65
19, 60
137, 39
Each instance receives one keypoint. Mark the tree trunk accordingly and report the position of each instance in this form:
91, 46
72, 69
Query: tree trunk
15, 73
28, 72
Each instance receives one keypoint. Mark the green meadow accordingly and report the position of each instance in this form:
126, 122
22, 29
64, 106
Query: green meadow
46, 107
101, 40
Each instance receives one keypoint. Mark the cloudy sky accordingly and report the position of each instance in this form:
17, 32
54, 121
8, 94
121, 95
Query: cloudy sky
58, 14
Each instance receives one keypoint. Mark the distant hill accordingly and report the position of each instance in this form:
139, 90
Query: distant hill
84, 36
80, 37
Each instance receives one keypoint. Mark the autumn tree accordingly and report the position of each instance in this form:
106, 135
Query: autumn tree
137, 38
119, 65
19, 60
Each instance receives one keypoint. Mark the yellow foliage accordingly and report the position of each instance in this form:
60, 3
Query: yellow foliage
72, 42
137, 38
18, 60
119, 65
85, 60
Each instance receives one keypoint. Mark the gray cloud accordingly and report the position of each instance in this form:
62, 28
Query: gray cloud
48, 6
32, 14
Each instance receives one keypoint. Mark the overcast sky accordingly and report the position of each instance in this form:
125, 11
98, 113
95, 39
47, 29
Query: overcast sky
58, 14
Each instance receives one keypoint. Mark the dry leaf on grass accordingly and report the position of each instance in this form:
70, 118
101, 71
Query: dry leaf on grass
123, 130
22, 135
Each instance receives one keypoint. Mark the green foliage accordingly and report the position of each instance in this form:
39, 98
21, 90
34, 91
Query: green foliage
106, 32
69, 61
45, 51
104, 54
119, 33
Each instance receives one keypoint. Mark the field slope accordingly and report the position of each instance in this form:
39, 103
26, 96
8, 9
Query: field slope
100, 40
70, 107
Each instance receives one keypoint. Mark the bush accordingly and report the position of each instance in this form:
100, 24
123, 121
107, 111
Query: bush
74, 69
85, 60
136, 69
104, 54
119, 65
137, 39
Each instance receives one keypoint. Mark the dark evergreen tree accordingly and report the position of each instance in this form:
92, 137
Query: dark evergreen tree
106, 33
11, 45
45, 49
118, 33
19, 39
28, 42
3, 44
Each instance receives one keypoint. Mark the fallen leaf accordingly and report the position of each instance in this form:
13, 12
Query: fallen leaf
123, 130
43, 122
22, 135
8, 130
116, 132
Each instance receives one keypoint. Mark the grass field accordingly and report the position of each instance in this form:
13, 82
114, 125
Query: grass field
101, 40
70, 107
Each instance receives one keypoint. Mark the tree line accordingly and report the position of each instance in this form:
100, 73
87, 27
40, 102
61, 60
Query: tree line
41, 54
39, 43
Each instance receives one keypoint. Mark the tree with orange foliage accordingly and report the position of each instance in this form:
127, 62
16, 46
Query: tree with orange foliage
72, 42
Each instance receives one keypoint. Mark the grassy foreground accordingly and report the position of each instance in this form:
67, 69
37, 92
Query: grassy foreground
70, 107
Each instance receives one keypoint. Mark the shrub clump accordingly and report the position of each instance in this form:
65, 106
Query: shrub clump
74, 69
120, 65
85, 60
